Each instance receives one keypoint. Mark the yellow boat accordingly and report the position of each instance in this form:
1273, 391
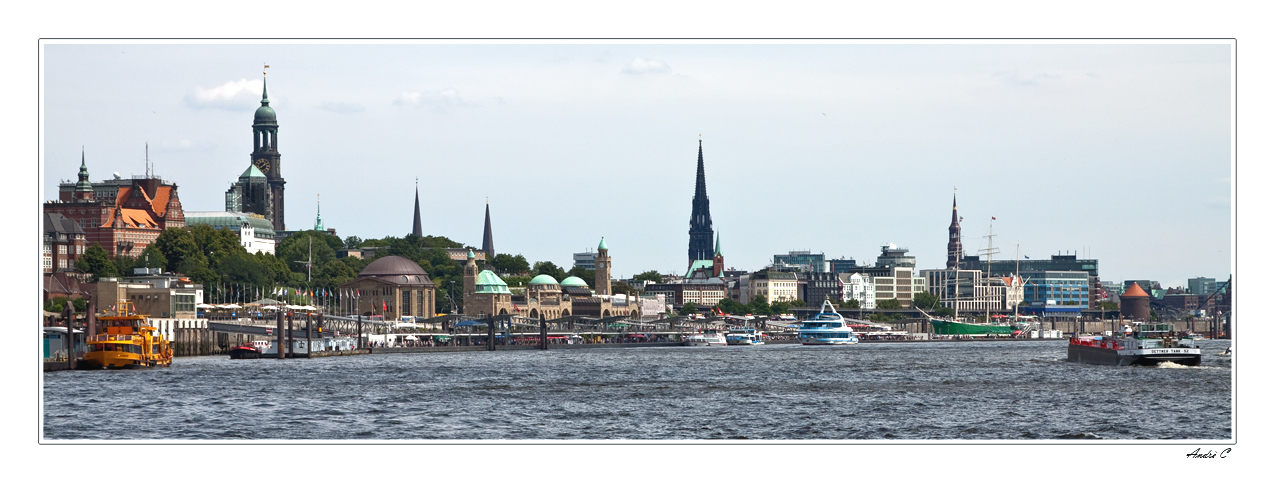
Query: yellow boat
126, 340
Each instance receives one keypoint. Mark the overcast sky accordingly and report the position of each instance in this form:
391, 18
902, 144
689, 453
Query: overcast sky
1119, 152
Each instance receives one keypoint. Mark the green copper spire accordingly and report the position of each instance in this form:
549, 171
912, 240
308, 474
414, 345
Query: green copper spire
265, 101
318, 215
83, 185
718, 251
603, 244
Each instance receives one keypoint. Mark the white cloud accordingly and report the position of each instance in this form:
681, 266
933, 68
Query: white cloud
647, 66
242, 94
342, 107
441, 100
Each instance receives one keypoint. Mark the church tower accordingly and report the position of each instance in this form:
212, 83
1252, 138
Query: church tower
488, 246
701, 244
416, 216
602, 270
719, 263
318, 214
265, 154
83, 187
954, 251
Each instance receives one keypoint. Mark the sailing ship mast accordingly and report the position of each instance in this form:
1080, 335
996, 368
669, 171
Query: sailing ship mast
989, 251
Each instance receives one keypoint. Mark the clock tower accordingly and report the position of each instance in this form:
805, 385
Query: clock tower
265, 155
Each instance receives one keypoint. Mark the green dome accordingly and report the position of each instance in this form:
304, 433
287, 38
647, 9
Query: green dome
602, 245
489, 282
574, 281
264, 115
542, 279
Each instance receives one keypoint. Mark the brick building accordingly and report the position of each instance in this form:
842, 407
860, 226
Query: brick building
123, 215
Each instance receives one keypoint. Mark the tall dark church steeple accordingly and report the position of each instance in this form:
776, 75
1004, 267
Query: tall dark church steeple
265, 154
416, 217
954, 251
488, 246
701, 244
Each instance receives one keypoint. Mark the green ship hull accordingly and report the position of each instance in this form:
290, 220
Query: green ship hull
947, 327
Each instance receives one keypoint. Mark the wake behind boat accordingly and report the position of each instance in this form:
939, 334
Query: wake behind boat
826, 328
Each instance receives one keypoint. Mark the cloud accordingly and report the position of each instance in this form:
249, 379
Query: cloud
240, 95
342, 107
641, 66
441, 100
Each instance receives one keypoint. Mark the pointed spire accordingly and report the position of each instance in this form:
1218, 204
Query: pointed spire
265, 101
700, 190
954, 219
416, 214
488, 245
318, 214
83, 185
718, 249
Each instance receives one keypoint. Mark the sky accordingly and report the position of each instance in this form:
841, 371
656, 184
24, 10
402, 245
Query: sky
1120, 152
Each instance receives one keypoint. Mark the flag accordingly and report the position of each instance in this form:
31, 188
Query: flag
384, 308
993, 218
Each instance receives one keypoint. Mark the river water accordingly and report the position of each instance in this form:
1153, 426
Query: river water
1008, 390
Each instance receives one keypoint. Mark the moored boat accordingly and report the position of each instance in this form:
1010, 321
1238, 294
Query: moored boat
126, 340
251, 350
956, 327
826, 328
1145, 345
744, 336
704, 338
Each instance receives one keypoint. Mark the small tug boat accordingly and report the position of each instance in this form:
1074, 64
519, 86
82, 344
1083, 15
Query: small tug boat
826, 328
1145, 345
251, 350
126, 340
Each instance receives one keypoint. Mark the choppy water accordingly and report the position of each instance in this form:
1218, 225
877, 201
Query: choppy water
914, 391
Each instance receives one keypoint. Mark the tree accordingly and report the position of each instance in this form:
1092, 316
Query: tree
334, 273
58, 304
510, 264
852, 304
780, 307
759, 306
622, 288
589, 276
548, 268
352, 241
95, 261
889, 304
1110, 306
925, 300
296, 249
798, 303
177, 245
688, 309
730, 306
648, 276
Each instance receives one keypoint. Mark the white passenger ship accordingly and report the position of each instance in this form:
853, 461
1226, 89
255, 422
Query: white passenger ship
826, 328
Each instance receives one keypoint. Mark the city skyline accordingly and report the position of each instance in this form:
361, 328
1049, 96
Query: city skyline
1108, 151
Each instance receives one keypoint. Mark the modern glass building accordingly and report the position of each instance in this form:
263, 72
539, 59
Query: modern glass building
1055, 293
808, 262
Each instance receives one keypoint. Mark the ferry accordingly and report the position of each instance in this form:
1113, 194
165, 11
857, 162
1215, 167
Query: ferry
826, 328
126, 340
704, 338
1147, 345
744, 336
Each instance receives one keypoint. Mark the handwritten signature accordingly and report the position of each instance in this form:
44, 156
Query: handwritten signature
1208, 454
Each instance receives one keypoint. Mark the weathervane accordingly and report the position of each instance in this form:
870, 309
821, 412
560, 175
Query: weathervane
263, 69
